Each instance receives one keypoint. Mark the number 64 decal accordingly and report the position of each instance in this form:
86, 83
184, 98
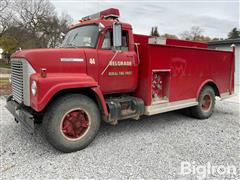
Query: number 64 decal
92, 61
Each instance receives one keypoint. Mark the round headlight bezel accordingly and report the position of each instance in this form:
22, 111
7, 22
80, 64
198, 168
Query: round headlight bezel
10, 79
34, 88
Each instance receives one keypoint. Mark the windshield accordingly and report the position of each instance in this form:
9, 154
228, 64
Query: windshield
84, 36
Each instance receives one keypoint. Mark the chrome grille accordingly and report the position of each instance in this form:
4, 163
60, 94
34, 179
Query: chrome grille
17, 80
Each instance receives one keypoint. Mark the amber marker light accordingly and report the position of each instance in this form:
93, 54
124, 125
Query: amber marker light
43, 72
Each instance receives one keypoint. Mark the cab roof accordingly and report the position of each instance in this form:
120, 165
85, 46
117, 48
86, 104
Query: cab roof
107, 17
106, 23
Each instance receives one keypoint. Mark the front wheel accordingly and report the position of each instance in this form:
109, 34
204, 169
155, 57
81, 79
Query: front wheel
206, 103
71, 122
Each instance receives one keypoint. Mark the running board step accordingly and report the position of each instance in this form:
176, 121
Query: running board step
170, 106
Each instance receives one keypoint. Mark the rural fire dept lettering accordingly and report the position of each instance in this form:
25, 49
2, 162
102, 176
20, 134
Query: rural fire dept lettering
120, 63
120, 73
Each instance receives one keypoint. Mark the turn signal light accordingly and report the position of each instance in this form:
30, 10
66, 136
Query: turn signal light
43, 72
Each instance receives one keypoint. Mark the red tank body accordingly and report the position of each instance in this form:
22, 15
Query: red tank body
188, 69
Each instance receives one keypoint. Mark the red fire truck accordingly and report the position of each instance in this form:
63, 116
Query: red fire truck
103, 71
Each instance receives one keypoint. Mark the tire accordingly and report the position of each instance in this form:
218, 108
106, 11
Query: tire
71, 122
206, 103
186, 111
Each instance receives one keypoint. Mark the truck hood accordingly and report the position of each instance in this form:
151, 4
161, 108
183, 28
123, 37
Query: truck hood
61, 60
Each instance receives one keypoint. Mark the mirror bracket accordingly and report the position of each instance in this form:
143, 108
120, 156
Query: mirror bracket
101, 27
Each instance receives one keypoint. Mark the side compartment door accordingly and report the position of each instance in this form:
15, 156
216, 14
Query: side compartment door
117, 69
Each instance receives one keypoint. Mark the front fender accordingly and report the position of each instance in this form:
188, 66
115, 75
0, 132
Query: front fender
55, 82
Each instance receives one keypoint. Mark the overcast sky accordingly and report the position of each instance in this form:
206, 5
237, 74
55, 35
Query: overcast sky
215, 17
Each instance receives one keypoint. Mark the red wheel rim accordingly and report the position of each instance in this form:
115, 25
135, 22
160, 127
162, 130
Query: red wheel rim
75, 124
206, 102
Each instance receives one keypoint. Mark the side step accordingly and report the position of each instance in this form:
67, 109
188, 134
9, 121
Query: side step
123, 108
169, 106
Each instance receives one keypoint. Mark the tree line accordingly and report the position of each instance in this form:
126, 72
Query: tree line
195, 34
30, 24
36, 24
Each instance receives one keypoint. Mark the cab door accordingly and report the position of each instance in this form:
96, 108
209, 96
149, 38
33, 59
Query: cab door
117, 68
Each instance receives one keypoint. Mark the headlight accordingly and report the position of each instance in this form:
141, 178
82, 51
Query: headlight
34, 88
10, 79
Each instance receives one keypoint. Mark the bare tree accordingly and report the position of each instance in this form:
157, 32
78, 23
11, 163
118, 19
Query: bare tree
193, 34
59, 25
30, 13
154, 31
5, 22
234, 33
6, 16
40, 19
3, 5
52, 28
32, 23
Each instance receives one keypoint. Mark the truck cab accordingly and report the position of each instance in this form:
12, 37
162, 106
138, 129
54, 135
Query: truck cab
110, 64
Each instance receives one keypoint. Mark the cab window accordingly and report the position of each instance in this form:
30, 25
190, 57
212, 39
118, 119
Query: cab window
82, 36
124, 40
108, 40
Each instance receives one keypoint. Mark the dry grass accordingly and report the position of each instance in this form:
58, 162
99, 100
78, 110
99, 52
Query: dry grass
4, 86
2, 65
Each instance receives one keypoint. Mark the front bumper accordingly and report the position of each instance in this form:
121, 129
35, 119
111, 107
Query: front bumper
21, 114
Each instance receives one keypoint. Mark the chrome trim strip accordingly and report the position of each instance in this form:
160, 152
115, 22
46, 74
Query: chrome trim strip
170, 106
27, 72
71, 60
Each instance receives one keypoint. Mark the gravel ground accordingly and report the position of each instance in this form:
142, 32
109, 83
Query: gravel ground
152, 147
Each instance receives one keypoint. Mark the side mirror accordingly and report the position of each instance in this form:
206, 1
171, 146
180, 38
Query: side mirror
117, 35
100, 27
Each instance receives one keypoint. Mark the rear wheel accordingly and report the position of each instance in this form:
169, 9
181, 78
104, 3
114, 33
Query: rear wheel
206, 103
71, 122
